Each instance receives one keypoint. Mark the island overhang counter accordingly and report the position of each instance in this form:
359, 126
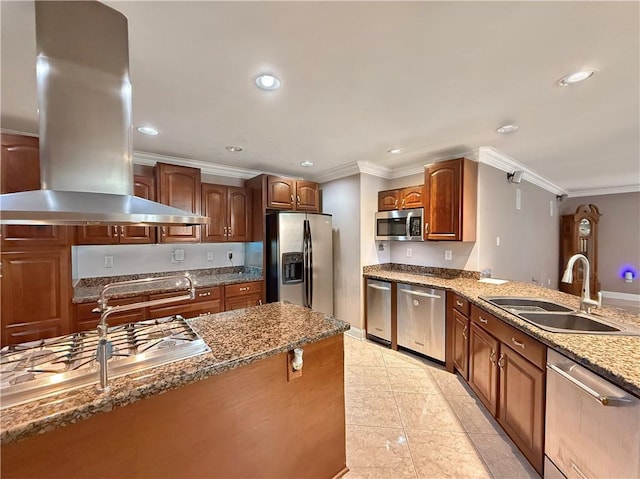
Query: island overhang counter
239, 411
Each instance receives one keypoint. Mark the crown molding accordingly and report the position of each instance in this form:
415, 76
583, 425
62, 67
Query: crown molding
407, 171
336, 173
613, 190
374, 170
492, 157
150, 159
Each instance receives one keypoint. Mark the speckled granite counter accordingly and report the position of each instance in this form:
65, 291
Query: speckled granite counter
88, 290
236, 338
616, 358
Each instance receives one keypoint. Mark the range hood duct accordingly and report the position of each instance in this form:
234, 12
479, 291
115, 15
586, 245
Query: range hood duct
84, 97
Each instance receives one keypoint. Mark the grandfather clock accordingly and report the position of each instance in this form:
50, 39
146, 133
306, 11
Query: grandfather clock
579, 234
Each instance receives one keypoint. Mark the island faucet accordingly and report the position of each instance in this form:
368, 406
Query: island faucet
585, 300
104, 350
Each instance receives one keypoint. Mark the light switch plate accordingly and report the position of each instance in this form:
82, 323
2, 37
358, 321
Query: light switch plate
448, 254
108, 261
209, 255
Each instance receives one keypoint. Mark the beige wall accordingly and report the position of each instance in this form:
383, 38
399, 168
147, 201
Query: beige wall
528, 237
341, 199
618, 237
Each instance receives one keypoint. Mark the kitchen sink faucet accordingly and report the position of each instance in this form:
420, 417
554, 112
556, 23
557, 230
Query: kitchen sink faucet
585, 300
105, 347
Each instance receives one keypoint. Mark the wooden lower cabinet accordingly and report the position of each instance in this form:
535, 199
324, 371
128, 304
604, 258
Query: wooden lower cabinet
461, 344
86, 319
35, 293
521, 411
483, 367
207, 301
250, 422
242, 295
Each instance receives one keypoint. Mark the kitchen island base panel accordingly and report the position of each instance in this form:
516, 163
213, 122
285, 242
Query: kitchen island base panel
245, 423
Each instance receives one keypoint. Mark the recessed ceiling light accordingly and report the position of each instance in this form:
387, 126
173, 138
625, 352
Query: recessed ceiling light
234, 149
576, 77
148, 130
395, 151
265, 81
306, 163
508, 128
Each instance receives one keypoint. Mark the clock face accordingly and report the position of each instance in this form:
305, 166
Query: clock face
584, 228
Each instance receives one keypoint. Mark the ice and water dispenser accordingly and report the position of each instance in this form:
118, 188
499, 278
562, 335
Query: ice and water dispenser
292, 268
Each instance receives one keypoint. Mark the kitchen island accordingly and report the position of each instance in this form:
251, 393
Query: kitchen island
238, 411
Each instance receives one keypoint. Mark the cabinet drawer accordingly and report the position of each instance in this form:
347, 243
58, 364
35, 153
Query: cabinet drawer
86, 319
520, 342
202, 294
188, 309
242, 289
461, 304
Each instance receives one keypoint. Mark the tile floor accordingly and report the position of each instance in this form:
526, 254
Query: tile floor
409, 418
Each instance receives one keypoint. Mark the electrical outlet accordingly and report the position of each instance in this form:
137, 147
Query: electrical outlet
448, 254
177, 256
409, 252
108, 261
209, 255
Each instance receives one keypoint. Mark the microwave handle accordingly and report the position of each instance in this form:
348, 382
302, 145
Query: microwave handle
408, 225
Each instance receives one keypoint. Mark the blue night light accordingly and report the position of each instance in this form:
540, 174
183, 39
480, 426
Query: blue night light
628, 273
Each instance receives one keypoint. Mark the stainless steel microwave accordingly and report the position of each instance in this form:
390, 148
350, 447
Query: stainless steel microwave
400, 225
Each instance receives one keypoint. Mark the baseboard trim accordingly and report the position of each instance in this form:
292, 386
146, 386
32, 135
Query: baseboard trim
355, 333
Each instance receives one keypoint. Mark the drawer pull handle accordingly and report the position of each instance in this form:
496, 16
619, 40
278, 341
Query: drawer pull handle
482, 320
501, 361
459, 303
518, 343
204, 314
378, 329
419, 343
201, 295
259, 302
464, 332
244, 289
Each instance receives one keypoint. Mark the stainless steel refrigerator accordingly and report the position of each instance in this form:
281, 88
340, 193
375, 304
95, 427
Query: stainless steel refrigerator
299, 260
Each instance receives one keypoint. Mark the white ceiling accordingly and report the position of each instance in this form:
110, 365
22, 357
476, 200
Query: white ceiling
434, 78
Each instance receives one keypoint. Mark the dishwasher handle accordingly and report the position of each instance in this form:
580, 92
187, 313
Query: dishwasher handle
419, 293
382, 288
603, 399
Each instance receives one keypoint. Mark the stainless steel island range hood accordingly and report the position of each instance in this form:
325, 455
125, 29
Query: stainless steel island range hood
84, 98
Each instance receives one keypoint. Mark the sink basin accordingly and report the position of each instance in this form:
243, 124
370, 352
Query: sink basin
557, 318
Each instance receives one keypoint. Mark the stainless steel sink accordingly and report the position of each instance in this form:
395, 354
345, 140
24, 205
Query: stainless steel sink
558, 318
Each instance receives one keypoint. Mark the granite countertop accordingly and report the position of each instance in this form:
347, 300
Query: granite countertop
615, 357
88, 290
236, 338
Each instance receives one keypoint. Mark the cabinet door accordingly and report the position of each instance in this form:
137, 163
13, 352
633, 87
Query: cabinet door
36, 293
521, 411
239, 217
461, 343
143, 187
307, 196
281, 193
442, 200
98, 234
20, 171
483, 368
214, 205
240, 302
388, 200
411, 197
179, 186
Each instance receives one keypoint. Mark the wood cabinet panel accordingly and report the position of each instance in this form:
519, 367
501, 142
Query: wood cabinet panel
214, 205
187, 309
179, 186
483, 368
36, 293
450, 191
521, 411
411, 197
20, 171
86, 319
240, 302
461, 344
281, 193
461, 304
307, 196
243, 295
239, 214
240, 289
388, 200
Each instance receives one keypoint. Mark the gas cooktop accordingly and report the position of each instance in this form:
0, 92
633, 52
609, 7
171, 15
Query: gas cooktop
38, 369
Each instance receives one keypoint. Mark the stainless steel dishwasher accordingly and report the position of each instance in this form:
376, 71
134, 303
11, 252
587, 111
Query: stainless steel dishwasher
421, 320
379, 310
592, 426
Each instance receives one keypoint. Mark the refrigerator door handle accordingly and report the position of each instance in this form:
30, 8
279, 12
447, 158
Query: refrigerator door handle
310, 239
305, 253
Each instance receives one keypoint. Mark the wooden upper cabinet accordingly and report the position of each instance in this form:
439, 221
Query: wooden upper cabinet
20, 171
307, 196
281, 193
388, 200
228, 209
400, 198
293, 195
143, 187
179, 186
450, 191
36, 293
